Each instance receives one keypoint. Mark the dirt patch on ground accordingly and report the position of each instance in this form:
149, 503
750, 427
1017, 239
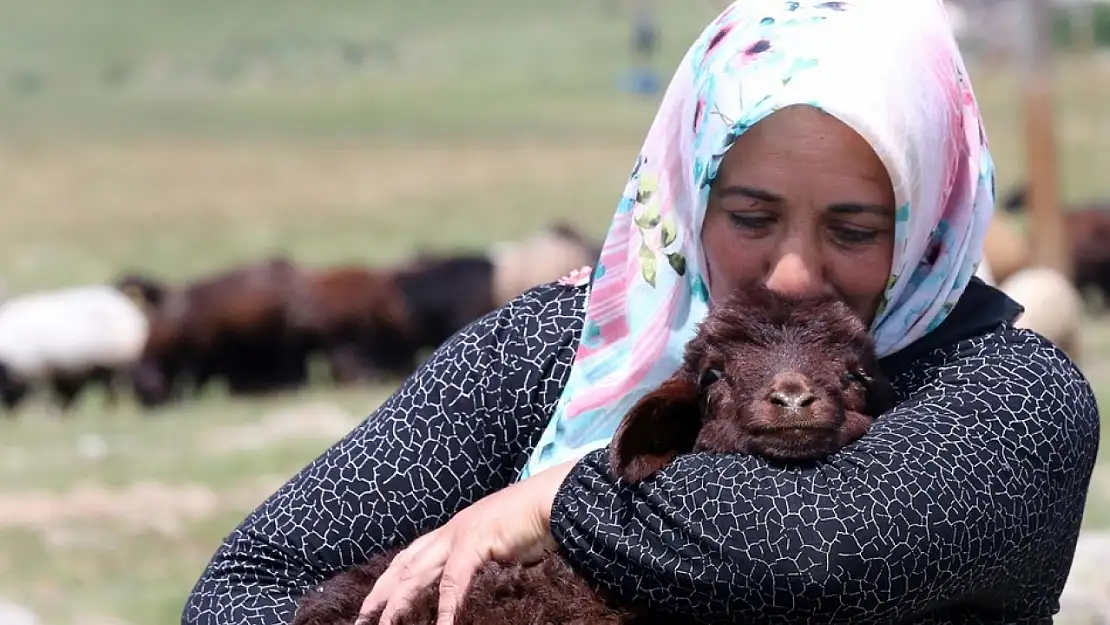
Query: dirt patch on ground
315, 420
154, 506
145, 506
99, 619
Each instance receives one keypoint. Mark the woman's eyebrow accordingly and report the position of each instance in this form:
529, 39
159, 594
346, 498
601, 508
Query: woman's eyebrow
852, 208
751, 192
842, 208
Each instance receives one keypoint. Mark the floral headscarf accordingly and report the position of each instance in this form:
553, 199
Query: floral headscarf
889, 69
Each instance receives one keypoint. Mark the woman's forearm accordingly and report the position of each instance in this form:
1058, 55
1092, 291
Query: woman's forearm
935, 504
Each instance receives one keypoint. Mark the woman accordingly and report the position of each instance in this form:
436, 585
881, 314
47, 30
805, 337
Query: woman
809, 145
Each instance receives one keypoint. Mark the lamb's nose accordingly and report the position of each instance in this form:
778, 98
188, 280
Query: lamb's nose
796, 399
791, 390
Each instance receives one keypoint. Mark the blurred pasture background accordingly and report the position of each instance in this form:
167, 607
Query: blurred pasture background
178, 139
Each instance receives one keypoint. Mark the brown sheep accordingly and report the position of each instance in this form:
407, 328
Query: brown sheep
793, 380
358, 318
231, 325
443, 294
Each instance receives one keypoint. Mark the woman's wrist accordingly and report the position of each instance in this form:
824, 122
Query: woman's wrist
550, 480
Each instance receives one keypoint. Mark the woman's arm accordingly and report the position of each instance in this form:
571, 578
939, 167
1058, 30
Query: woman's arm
457, 429
970, 490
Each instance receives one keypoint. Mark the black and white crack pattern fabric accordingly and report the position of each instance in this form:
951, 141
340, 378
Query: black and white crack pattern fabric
962, 505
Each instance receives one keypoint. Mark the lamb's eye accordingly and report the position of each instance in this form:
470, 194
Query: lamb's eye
709, 376
858, 376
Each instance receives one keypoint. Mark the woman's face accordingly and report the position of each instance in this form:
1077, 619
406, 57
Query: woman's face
802, 204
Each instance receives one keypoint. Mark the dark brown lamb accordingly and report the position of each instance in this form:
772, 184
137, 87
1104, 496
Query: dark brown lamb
793, 380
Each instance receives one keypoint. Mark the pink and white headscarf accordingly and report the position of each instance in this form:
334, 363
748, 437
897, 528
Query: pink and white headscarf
889, 69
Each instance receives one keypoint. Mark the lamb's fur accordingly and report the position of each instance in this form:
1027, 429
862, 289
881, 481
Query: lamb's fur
791, 379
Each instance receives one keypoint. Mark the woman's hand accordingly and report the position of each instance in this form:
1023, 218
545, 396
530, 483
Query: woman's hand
512, 524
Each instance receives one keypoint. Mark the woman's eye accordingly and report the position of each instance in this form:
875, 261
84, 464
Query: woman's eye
709, 376
751, 222
854, 236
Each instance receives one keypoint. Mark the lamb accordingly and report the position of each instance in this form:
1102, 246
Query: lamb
67, 338
793, 380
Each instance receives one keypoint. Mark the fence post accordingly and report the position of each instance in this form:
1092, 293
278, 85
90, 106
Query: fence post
1081, 19
1046, 221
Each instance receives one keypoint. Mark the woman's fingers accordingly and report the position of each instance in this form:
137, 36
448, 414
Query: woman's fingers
419, 573
457, 573
510, 525
400, 567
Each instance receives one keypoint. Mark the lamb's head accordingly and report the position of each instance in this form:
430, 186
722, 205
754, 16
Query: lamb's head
791, 379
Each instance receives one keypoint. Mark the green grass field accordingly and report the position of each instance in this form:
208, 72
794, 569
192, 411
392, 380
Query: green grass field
178, 139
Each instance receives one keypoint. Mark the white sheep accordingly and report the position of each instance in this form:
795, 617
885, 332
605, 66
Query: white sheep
543, 257
984, 273
65, 338
1006, 247
1053, 306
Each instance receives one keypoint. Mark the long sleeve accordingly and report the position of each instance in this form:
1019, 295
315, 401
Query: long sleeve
966, 499
457, 429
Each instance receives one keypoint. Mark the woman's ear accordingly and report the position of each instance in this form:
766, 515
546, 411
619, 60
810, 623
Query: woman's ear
663, 424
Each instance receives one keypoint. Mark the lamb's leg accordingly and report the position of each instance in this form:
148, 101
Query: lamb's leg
110, 379
12, 390
12, 396
345, 364
68, 387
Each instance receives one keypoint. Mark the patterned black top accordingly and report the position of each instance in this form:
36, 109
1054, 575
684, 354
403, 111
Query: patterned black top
962, 505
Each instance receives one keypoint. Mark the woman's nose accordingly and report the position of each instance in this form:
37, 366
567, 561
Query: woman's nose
792, 274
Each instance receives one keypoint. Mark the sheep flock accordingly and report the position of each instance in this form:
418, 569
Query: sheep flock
256, 327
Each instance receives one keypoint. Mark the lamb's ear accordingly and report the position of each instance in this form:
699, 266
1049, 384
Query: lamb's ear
880, 396
880, 392
663, 424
